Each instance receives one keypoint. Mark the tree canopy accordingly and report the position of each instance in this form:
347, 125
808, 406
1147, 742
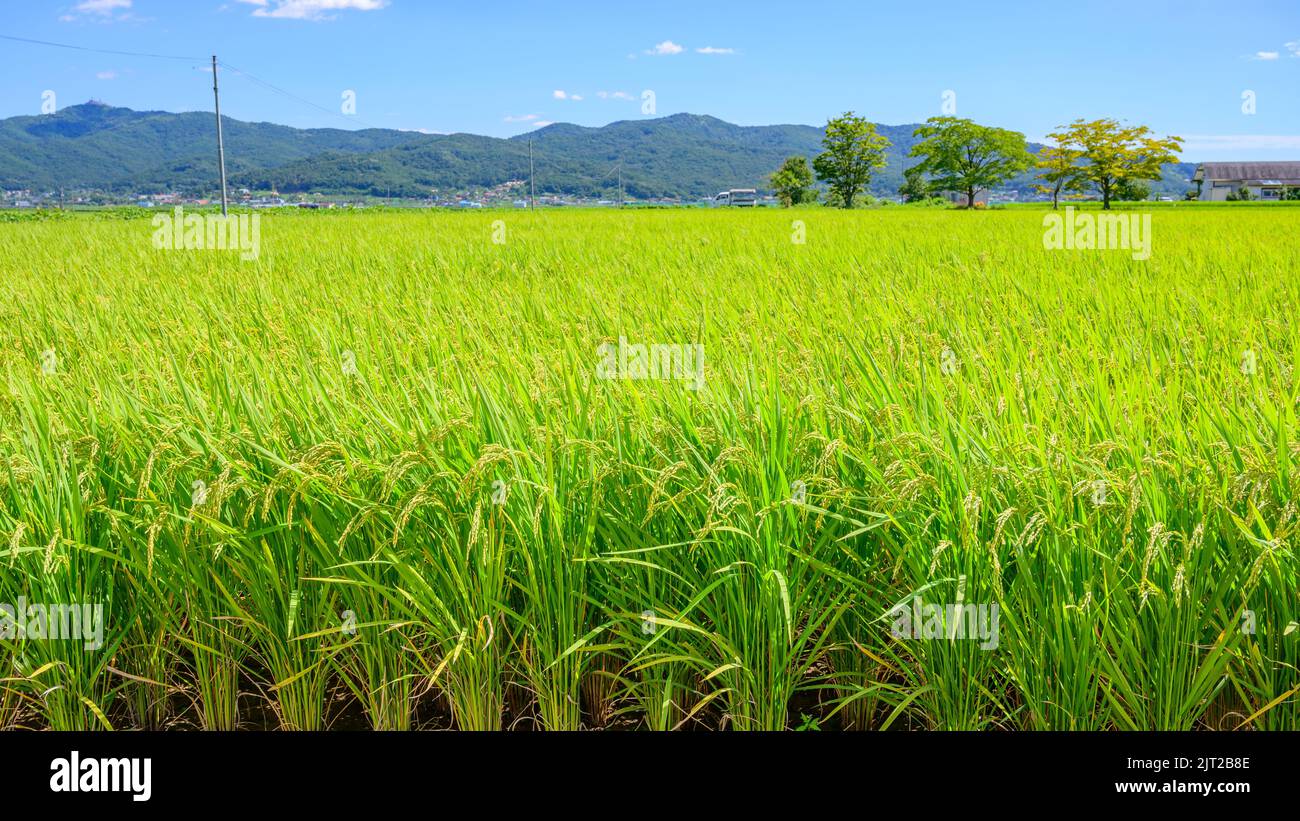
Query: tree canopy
793, 181
1058, 168
1115, 154
962, 155
853, 151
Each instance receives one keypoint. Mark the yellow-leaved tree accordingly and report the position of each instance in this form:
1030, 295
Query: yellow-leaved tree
1112, 154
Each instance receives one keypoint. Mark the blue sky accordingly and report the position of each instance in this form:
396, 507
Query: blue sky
499, 68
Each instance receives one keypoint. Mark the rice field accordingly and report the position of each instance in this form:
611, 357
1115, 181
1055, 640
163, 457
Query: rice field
384, 476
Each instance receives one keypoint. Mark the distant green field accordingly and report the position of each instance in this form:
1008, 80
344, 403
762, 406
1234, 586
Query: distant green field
1196, 204
385, 474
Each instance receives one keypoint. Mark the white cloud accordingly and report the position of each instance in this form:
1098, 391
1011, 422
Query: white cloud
100, 6
614, 95
106, 75
1294, 48
715, 50
666, 48
1206, 143
310, 9
544, 123
1265, 55
99, 10
520, 118
565, 95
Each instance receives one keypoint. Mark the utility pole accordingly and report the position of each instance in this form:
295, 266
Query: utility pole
620, 183
221, 146
532, 189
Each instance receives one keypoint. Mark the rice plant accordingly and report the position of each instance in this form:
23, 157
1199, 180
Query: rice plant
381, 474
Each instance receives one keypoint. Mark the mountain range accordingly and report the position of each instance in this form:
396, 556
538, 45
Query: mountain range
97, 146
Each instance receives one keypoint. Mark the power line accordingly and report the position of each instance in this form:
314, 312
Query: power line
258, 80
215, 63
98, 50
618, 166
292, 96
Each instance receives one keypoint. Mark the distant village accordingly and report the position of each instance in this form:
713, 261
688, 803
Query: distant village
1224, 177
512, 194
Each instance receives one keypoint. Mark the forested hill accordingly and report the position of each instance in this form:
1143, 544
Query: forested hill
684, 155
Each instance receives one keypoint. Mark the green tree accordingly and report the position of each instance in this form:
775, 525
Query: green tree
793, 181
962, 155
853, 150
915, 188
1058, 168
1132, 191
1114, 153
